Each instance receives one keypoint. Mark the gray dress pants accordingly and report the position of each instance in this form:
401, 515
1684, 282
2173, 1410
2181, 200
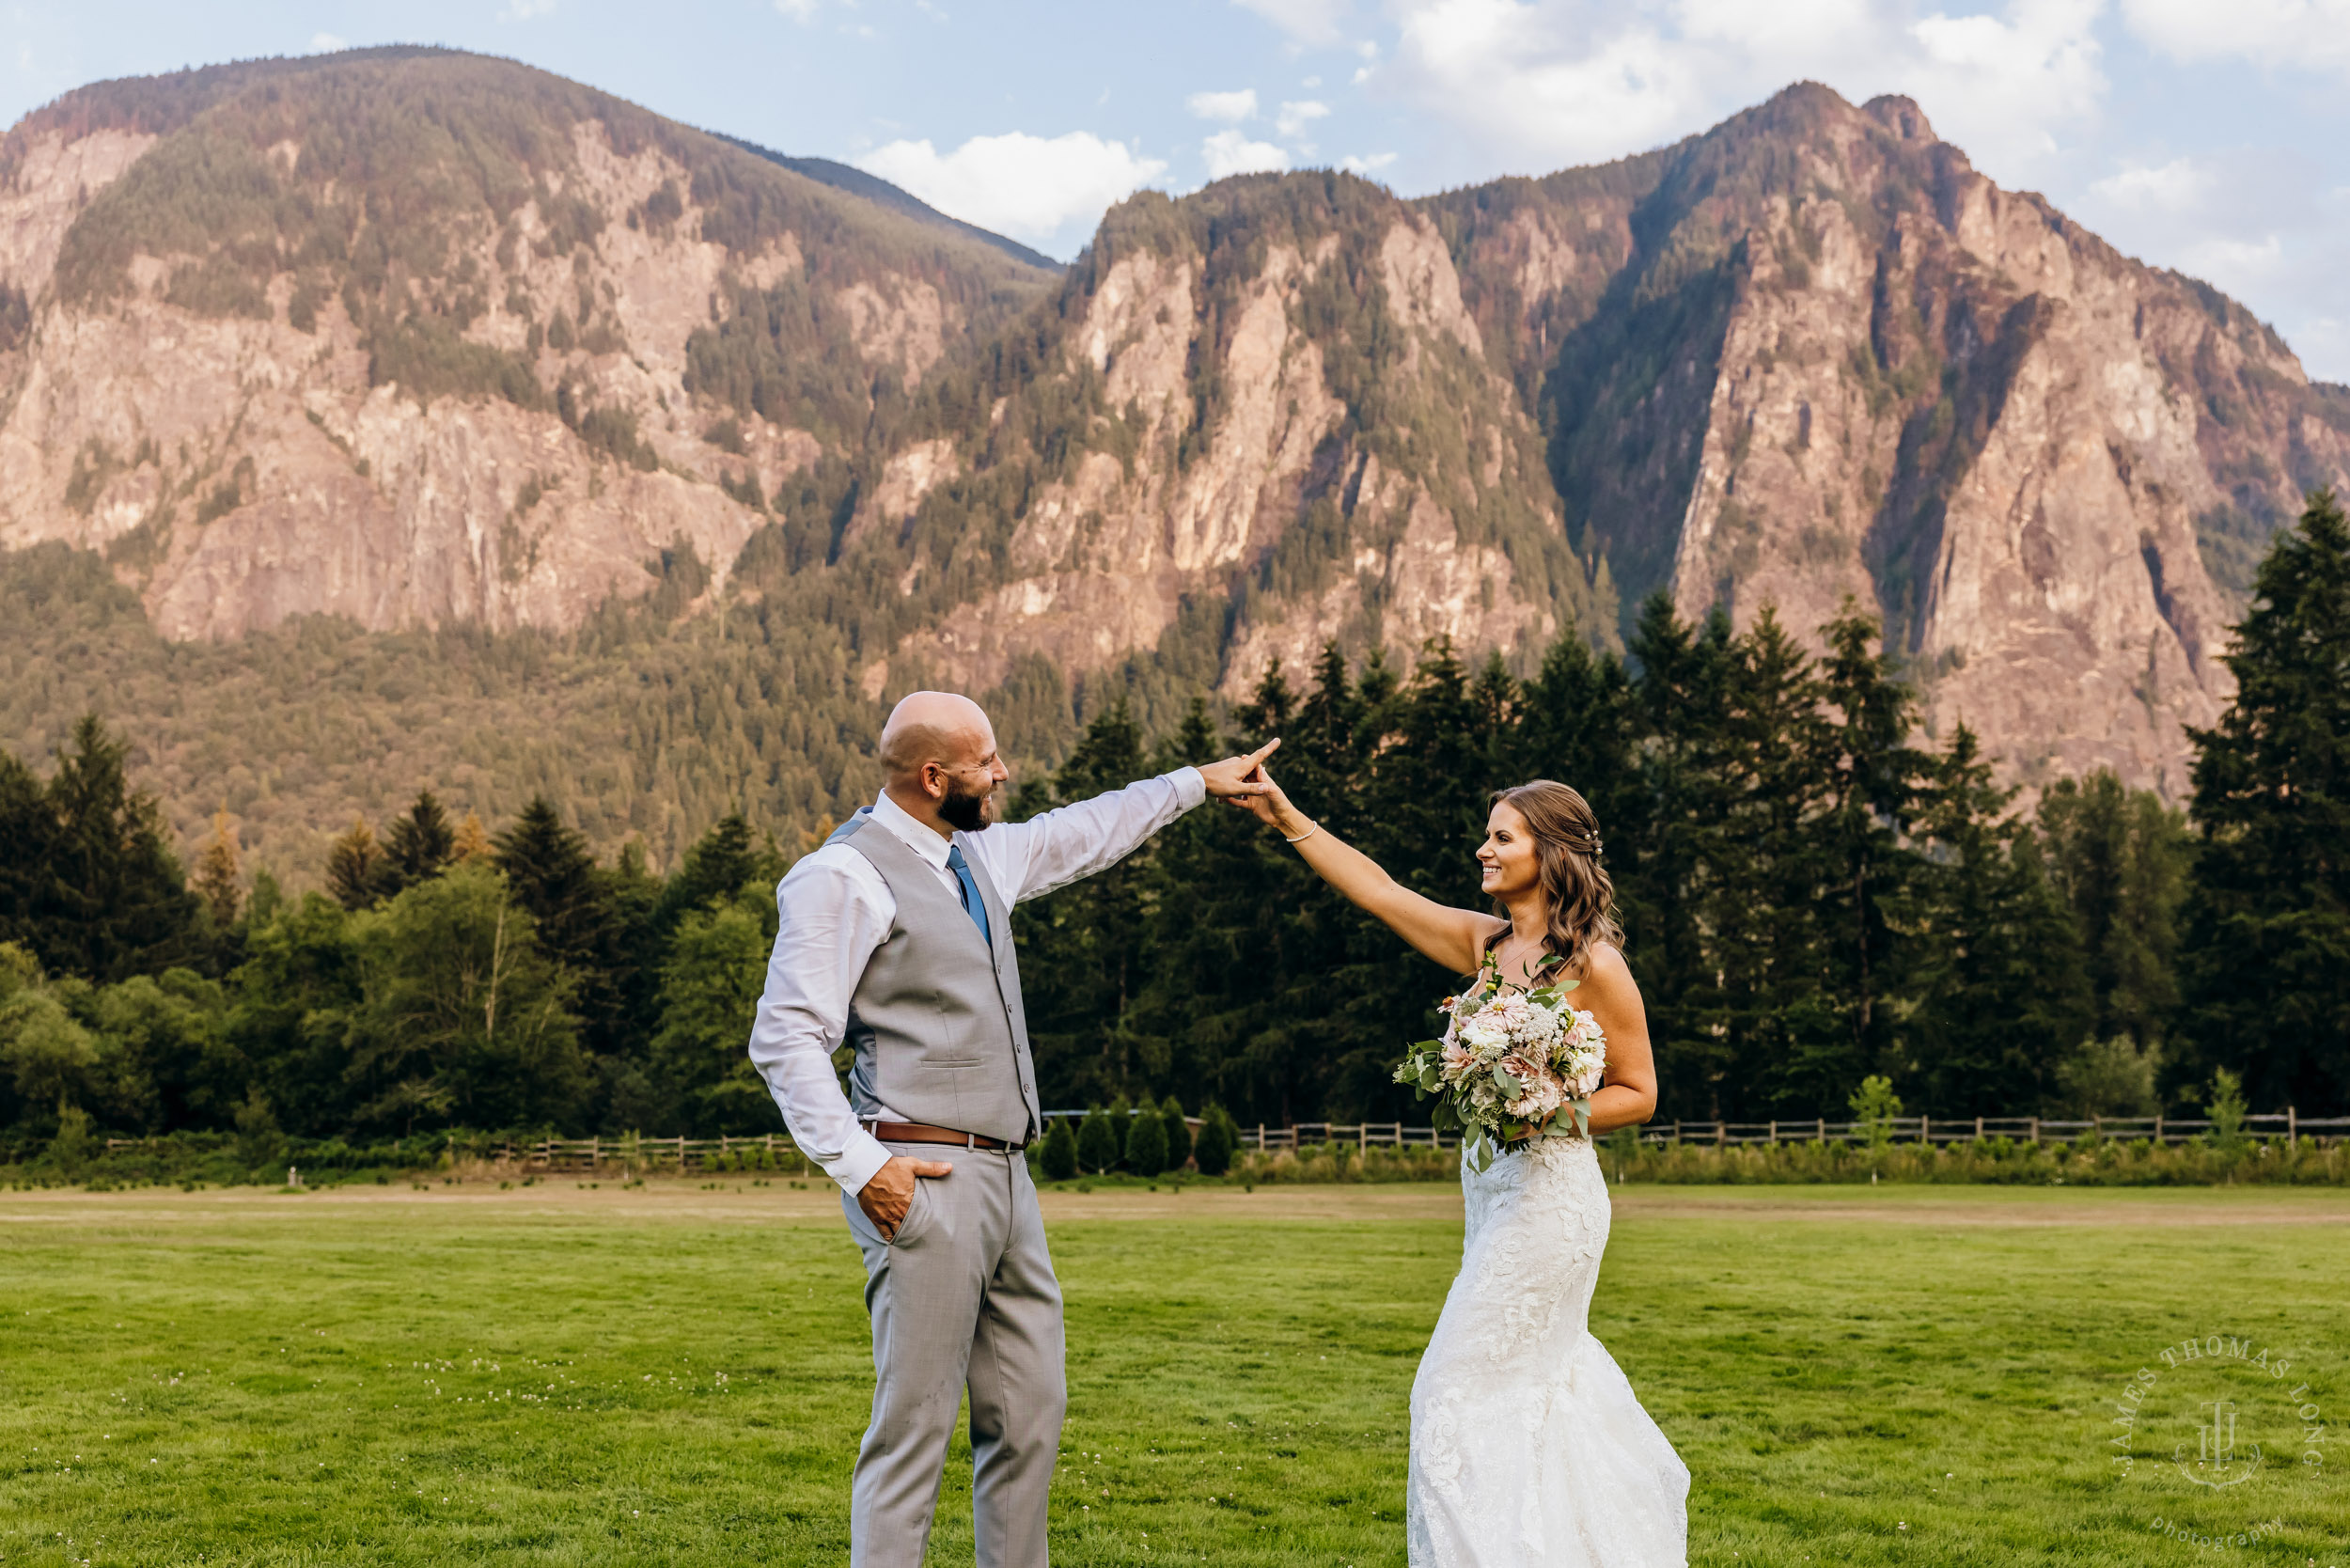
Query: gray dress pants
964, 1295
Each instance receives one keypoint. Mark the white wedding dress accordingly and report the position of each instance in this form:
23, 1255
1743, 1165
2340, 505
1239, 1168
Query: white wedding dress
1528, 1449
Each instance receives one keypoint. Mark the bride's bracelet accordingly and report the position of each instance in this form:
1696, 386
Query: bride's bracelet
1309, 832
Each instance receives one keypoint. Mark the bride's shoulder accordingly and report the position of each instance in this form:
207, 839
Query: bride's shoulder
1603, 963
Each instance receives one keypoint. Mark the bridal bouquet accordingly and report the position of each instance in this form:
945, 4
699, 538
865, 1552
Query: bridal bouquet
1509, 1063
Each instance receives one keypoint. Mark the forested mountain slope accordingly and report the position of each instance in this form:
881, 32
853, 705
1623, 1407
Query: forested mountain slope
439, 421
417, 338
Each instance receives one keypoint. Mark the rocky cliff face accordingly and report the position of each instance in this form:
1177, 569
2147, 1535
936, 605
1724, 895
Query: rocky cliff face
289, 346
422, 339
1814, 354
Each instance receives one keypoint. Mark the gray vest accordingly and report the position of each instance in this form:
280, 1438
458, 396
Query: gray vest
935, 1022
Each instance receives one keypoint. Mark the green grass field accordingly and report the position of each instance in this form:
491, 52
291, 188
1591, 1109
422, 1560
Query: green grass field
1906, 1376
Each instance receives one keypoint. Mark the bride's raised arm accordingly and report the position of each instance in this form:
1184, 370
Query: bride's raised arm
1453, 937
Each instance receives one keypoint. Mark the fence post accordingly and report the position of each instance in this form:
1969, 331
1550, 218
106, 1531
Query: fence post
1773, 1135
1978, 1129
2035, 1132
1824, 1129
2292, 1129
1925, 1129
1721, 1134
2158, 1129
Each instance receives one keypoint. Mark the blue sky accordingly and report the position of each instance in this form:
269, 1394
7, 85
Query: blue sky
2198, 134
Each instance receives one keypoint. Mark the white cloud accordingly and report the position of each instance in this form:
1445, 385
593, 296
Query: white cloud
1229, 107
1315, 22
526, 10
1371, 164
1295, 118
328, 43
2307, 33
1229, 152
1536, 84
800, 11
2177, 186
1030, 187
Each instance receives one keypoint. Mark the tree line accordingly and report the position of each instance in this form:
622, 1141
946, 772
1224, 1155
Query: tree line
1813, 897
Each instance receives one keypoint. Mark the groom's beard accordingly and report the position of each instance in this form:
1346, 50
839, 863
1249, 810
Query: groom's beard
962, 809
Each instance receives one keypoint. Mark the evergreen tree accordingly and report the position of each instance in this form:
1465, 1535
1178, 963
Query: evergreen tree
1146, 1144
1217, 1143
1177, 1134
719, 866
109, 898
552, 874
2119, 858
1057, 1158
1122, 1124
216, 882
1082, 948
2267, 940
1097, 1143
355, 866
1996, 996
1873, 780
418, 845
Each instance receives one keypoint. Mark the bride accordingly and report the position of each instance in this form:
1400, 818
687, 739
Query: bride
1528, 1449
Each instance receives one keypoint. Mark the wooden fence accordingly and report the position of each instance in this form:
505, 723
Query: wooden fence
1900, 1128
776, 1152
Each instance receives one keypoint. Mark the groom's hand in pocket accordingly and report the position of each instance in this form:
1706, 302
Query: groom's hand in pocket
888, 1193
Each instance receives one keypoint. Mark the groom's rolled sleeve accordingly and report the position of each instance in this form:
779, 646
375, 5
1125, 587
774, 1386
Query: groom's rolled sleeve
827, 927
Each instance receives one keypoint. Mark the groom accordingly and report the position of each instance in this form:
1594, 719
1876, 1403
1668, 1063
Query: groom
895, 938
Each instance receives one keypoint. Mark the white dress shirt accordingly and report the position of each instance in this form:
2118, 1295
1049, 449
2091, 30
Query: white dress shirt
835, 910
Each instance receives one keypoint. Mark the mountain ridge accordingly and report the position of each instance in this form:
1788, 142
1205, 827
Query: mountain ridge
556, 368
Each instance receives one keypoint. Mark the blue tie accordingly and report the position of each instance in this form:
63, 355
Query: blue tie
972, 904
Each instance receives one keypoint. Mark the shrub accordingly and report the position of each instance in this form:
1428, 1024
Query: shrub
1177, 1134
1217, 1140
259, 1141
2226, 1110
1097, 1143
1059, 1157
1146, 1144
1121, 1122
1873, 1106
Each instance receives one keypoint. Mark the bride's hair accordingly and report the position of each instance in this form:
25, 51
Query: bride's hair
1582, 898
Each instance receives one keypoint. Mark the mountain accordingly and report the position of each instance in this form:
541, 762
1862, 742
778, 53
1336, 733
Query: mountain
417, 338
406, 417
1810, 353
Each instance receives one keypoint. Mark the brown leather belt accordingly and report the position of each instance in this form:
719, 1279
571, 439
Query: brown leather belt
915, 1131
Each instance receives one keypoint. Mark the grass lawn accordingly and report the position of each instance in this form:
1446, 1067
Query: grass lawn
1906, 1375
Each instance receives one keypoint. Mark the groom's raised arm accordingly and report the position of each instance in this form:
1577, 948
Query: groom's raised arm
1028, 859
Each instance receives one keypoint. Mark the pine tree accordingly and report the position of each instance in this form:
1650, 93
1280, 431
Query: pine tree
1058, 1156
1177, 1134
1996, 995
2268, 959
1217, 1143
2118, 857
418, 845
215, 882
1082, 948
1097, 1144
1146, 1144
1122, 1124
113, 900
355, 867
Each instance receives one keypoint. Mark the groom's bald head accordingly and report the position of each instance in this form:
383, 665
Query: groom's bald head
945, 728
